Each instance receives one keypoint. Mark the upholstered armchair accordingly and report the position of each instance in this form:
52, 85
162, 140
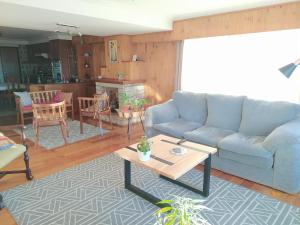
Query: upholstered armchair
9, 151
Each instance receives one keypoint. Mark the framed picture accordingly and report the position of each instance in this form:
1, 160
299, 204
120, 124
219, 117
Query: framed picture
113, 51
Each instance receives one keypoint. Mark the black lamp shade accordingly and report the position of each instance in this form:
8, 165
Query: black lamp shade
288, 69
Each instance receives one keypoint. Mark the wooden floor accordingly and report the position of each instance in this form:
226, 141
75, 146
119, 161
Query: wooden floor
44, 162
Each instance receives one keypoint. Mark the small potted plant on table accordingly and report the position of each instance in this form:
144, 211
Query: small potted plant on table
143, 149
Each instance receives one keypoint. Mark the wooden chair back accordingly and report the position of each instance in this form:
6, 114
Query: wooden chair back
42, 96
54, 112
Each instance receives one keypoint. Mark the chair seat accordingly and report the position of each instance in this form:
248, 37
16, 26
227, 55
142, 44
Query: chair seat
8, 155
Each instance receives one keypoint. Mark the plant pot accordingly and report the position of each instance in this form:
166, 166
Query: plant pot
144, 156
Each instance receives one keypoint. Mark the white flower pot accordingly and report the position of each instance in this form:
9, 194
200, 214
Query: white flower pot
144, 156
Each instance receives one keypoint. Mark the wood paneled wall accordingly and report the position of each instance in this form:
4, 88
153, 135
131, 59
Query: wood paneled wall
158, 50
277, 17
160, 69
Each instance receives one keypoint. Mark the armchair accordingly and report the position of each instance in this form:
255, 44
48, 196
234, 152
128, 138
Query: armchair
10, 154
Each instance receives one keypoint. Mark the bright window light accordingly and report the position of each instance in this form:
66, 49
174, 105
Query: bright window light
243, 65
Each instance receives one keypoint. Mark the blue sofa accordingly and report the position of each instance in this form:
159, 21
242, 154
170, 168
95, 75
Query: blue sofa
256, 140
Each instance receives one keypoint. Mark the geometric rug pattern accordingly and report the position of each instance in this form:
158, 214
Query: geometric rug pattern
93, 193
51, 137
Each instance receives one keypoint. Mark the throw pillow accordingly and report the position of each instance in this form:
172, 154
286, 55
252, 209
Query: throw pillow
57, 97
24, 97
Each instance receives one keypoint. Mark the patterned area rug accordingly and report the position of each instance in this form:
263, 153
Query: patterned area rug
93, 194
51, 137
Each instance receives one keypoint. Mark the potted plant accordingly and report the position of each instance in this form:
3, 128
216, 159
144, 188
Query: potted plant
144, 150
181, 211
130, 105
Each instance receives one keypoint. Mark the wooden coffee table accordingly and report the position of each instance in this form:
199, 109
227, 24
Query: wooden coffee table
167, 165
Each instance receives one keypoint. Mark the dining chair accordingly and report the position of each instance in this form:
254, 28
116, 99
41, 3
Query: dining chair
50, 115
94, 107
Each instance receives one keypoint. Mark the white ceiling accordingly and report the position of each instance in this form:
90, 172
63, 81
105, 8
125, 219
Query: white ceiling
109, 17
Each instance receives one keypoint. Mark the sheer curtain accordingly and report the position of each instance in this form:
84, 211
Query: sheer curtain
243, 65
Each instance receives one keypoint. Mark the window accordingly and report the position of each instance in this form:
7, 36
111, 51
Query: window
243, 65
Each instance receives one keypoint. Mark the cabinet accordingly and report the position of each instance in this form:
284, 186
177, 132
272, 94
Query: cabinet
90, 60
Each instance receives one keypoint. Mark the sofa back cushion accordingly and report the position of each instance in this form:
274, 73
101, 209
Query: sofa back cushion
260, 118
191, 106
224, 111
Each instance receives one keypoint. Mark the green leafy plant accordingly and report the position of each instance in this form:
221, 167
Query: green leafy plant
132, 103
181, 211
143, 145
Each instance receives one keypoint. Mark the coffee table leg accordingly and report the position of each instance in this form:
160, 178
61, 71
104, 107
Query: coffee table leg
206, 180
145, 195
127, 174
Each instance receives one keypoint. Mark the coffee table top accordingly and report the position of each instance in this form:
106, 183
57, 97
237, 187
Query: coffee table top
165, 163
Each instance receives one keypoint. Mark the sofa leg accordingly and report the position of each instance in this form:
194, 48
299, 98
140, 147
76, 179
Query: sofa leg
1, 202
28, 170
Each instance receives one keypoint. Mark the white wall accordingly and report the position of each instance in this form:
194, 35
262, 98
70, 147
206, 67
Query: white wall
243, 65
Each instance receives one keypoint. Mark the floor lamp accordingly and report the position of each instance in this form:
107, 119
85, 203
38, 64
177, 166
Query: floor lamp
289, 69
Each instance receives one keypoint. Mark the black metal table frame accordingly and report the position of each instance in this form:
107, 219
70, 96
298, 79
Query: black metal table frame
151, 198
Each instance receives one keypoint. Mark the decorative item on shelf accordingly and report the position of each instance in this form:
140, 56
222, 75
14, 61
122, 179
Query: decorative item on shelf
143, 149
86, 65
113, 53
120, 76
181, 211
289, 69
134, 58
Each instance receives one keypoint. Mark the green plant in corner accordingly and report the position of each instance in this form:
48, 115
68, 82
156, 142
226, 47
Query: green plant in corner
143, 145
181, 211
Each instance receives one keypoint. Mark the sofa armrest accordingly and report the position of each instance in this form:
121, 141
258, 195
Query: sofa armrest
284, 143
161, 113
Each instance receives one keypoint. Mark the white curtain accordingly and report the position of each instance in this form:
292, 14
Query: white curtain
179, 65
243, 65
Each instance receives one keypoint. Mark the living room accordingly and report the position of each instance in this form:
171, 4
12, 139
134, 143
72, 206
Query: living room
149, 112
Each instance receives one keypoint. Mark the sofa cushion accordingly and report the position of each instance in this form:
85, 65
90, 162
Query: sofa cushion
246, 149
207, 135
224, 111
260, 118
191, 106
177, 128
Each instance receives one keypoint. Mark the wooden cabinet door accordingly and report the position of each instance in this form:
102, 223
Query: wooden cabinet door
10, 63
